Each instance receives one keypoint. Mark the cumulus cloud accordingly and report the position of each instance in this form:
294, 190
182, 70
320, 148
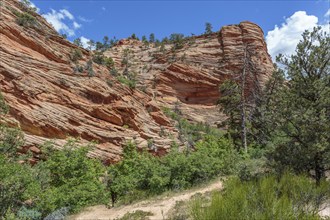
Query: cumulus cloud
84, 41
62, 21
285, 38
67, 14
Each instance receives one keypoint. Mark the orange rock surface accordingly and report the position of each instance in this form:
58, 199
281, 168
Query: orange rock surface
49, 100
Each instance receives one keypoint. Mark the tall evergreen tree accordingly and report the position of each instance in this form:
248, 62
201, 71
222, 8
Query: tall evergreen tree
208, 28
301, 114
152, 38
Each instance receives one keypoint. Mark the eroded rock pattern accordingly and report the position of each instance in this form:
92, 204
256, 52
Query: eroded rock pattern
50, 100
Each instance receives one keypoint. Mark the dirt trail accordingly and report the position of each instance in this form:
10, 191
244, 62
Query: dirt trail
159, 207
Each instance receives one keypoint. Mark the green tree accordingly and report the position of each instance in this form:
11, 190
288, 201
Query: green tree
106, 42
74, 180
10, 141
91, 44
165, 40
208, 28
10, 138
77, 42
134, 37
229, 105
144, 39
99, 46
177, 40
301, 116
18, 183
152, 38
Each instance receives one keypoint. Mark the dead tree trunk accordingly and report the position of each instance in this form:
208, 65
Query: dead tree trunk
243, 103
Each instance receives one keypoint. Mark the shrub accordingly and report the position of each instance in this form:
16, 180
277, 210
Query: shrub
30, 214
75, 55
78, 68
58, 214
108, 62
114, 71
131, 83
26, 20
10, 140
4, 109
290, 197
141, 174
74, 180
17, 184
177, 40
89, 68
99, 58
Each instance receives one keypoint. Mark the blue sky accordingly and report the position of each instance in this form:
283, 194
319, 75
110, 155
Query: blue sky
91, 19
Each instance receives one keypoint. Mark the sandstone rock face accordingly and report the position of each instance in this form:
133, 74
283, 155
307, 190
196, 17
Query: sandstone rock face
191, 75
51, 101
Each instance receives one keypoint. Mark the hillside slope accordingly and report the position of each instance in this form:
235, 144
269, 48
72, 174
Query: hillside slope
50, 100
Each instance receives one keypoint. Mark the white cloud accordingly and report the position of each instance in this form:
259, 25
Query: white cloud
84, 19
76, 25
285, 38
67, 14
327, 14
84, 41
59, 18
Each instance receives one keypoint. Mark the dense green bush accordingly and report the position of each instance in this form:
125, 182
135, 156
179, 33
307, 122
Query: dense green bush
10, 140
17, 184
290, 197
68, 178
26, 20
177, 40
140, 174
129, 81
99, 58
73, 180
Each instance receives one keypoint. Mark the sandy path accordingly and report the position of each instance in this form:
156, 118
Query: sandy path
159, 207
325, 212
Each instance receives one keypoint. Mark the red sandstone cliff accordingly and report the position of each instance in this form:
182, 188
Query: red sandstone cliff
50, 101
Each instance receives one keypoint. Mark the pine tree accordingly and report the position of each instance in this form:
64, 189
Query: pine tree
301, 114
152, 38
208, 28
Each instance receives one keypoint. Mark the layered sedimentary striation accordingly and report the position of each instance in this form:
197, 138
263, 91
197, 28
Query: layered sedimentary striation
50, 100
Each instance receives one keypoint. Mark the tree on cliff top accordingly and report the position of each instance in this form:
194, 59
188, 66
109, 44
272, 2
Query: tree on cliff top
208, 28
